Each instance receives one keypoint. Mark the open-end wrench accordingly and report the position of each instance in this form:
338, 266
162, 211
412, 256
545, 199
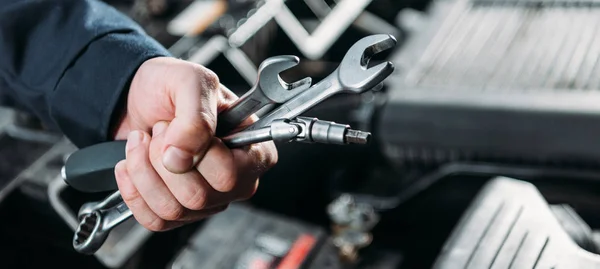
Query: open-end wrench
269, 89
352, 76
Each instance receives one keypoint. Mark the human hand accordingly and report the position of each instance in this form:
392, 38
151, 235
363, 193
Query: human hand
176, 171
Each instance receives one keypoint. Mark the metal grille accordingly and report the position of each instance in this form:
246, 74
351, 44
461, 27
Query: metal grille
513, 47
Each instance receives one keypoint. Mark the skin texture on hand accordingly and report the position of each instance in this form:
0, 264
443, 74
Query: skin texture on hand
176, 171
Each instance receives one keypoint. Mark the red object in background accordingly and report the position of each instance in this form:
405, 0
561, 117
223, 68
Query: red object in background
298, 252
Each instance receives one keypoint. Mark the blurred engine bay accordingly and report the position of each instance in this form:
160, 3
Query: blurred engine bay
485, 150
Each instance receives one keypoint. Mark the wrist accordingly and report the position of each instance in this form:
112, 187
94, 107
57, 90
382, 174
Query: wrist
120, 126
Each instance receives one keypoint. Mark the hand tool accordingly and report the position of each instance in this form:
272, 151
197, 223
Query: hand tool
301, 129
96, 222
282, 124
352, 76
268, 89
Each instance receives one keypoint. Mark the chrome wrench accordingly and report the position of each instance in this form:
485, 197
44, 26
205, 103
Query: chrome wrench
352, 76
269, 89
96, 220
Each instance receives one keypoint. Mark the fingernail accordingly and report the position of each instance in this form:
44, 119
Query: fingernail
159, 127
133, 140
177, 160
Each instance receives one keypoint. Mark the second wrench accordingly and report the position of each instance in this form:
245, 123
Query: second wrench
268, 89
96, 222
353, 75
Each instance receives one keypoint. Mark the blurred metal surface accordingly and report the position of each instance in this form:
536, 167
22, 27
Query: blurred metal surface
367, 21
314, 45
499, 45
19, 153
6, 117
496, 82
219, 45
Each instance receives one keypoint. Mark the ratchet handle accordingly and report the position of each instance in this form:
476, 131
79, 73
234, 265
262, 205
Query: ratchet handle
91, 169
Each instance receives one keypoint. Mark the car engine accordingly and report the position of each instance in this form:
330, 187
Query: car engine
485, 149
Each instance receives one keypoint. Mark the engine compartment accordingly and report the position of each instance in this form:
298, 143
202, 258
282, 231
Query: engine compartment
423, 194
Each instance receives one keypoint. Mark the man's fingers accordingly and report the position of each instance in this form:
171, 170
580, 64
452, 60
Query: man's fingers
226, 98
189, 188
218, 167
251, 162
188, 136
141, 212
147, 182
192, 189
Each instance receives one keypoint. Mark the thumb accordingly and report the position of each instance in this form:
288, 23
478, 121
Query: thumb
190, 133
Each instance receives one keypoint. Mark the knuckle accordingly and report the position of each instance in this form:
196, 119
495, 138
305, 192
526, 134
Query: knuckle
136, 161
225, 180
135, 166
271, 160
207, 78
196, 199
265, 156
211, 80
205, 126
130, 196
170, 211
155, 225
272, 155
250, 191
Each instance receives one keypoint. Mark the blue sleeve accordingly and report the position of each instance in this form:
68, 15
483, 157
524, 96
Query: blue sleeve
70, 62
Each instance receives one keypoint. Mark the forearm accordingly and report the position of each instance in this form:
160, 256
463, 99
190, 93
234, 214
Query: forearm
70, 62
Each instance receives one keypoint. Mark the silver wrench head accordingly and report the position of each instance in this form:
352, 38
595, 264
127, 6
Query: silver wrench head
90, 236
354, 73
271, 84
88, 208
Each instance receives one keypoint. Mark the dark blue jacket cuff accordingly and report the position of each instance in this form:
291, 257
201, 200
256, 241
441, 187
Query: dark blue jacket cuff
92, 92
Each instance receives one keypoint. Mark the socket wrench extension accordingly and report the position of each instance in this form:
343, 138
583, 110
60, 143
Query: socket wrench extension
301, 129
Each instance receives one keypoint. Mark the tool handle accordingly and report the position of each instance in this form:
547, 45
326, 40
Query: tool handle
91, 169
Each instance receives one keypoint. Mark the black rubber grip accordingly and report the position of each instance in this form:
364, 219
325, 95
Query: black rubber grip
92, 169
